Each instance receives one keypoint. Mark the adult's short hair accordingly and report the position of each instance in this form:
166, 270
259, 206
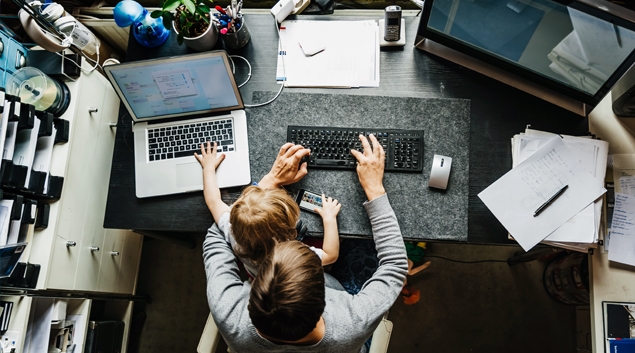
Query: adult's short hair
260, 218
287, 296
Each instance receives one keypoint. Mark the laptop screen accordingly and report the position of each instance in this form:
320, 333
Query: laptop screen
188, 85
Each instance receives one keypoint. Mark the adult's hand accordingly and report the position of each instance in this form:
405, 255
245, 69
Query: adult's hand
370, 167
286, 169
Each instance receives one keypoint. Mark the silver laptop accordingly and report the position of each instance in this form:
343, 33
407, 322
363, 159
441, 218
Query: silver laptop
177, 103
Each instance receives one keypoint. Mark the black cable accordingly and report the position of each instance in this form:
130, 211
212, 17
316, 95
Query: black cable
471, 262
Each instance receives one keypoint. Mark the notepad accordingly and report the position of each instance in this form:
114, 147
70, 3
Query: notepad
515, 196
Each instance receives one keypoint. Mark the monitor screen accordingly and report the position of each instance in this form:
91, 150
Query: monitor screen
179, 86
576, 49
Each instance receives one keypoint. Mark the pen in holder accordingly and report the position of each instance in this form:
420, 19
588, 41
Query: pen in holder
232, 27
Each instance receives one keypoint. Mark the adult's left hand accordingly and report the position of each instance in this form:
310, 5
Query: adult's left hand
286, 169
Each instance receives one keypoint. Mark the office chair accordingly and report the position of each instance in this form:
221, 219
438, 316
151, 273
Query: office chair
211, 336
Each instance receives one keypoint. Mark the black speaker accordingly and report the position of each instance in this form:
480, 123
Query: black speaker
624, 95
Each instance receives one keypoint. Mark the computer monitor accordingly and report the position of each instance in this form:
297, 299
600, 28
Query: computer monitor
568, 52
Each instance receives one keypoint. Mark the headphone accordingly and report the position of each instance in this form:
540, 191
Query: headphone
40, 37
301, 229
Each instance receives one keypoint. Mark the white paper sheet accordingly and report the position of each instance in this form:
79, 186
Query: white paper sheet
515, 197
3, 123
43, 155
5, 220
350, 58
627, 185
24, 152
14, 230
622, 245
9, 141
39, 327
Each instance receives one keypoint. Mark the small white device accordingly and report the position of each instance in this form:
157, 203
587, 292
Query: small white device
440, 173
283, 8
392, 23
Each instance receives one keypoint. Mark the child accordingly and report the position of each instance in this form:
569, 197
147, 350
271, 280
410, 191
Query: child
262, 217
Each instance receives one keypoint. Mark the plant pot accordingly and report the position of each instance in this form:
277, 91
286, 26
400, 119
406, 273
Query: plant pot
205, 41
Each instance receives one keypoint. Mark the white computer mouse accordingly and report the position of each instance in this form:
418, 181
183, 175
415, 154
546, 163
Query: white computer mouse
440, 173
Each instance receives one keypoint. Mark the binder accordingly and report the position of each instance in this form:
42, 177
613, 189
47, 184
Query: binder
13, 104
29, 211
42, 215
63, 129
6, 315
18, 200
26, 117
46, 123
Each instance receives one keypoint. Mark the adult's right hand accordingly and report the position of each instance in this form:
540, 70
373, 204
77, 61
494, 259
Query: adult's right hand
286, 169
370, 167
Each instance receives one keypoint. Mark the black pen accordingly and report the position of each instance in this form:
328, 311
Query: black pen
550, 201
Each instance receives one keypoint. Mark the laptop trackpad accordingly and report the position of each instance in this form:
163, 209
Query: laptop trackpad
189, 174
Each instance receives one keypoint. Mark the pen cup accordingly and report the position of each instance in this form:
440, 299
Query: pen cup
238, 39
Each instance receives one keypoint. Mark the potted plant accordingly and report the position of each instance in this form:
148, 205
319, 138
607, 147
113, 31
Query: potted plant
191, 22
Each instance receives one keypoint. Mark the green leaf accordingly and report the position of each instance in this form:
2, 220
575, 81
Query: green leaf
182, 21
179, 38
171, 5
167, 18
203, 8
189, 5
156, 14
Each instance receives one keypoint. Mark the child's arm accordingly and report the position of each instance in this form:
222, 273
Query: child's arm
331, 245
210, 162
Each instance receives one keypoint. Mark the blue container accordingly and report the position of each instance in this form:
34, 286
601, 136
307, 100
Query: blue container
149, 32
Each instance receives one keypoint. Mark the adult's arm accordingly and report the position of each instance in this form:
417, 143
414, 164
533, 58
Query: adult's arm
226, 292
381, 290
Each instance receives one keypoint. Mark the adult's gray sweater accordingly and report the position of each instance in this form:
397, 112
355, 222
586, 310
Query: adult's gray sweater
349, 319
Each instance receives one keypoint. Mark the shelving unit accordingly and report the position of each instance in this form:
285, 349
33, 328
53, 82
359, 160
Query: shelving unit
91, 270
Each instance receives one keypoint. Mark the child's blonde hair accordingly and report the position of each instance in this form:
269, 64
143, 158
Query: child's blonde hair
260, 218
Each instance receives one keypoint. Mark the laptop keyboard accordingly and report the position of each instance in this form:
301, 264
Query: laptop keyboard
183, 140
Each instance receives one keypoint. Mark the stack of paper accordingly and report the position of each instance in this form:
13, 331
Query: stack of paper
350, 55
544, 163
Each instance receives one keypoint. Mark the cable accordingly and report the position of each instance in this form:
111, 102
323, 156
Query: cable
473, 262
85, 57
234, 68
284, 72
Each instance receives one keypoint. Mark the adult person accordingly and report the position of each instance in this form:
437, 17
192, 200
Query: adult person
292, 305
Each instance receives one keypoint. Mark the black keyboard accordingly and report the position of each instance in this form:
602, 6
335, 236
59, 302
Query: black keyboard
183, 140
330, 146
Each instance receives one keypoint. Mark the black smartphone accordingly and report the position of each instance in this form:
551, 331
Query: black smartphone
308, 200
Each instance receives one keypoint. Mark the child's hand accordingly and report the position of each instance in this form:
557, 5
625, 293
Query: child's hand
208, 157
330, 208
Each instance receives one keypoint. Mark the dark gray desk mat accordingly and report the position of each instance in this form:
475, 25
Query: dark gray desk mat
423, 213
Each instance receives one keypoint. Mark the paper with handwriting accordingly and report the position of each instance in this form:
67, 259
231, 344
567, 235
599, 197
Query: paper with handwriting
515, 197
622, 245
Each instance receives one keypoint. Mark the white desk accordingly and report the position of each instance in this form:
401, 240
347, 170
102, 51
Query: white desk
609, 281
